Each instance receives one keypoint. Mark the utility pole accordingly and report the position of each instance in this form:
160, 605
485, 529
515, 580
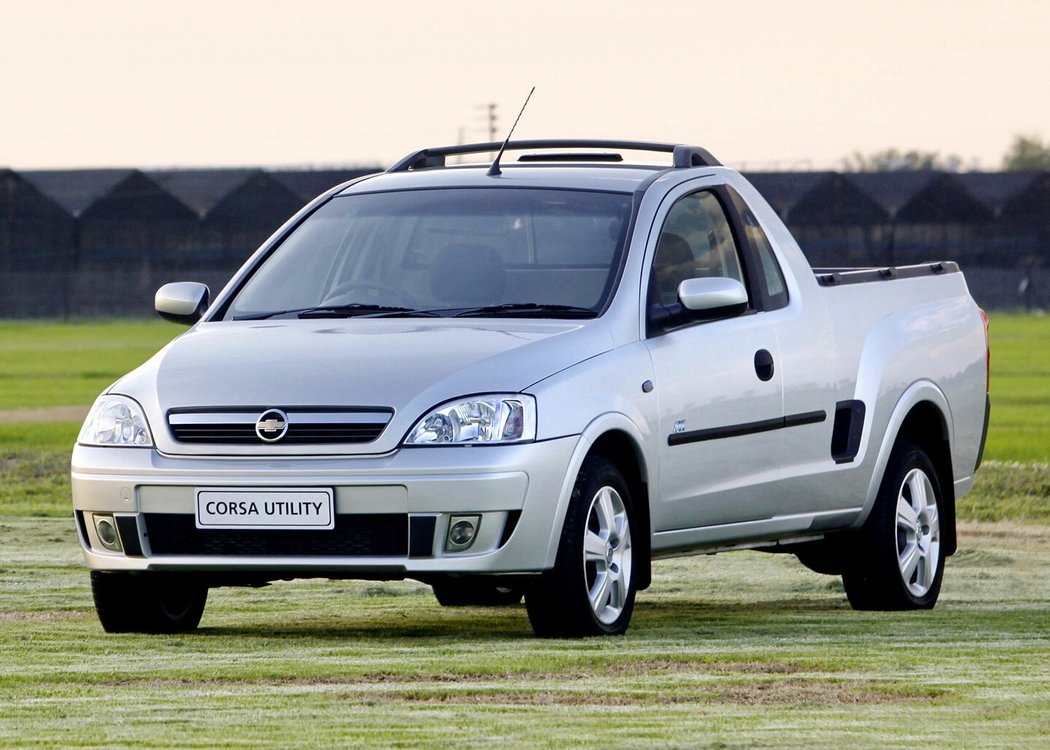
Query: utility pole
492, 121
490, 114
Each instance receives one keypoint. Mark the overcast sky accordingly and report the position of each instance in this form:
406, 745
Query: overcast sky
761, 84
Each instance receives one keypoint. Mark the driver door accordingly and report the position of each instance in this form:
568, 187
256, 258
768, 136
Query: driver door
720, 396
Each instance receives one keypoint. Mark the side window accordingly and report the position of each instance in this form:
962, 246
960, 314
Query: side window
772, 281
696, 240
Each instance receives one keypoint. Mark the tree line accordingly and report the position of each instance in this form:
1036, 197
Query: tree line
1027, 152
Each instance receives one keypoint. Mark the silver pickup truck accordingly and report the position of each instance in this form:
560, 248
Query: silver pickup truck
532, 380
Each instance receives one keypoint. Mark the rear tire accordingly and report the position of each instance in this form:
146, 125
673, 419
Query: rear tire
147, 602
900, 562
591, 589
480, 592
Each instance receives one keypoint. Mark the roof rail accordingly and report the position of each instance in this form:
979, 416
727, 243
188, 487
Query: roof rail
683, 156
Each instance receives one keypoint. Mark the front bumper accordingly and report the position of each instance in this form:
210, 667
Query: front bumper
392, 511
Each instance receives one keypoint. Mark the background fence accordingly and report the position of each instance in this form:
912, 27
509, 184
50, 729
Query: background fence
76, 243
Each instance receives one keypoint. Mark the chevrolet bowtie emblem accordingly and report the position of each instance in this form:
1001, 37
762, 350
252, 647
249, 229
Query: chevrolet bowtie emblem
272, 425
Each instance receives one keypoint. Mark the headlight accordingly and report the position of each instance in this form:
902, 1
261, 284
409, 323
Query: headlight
115, 420
482, 419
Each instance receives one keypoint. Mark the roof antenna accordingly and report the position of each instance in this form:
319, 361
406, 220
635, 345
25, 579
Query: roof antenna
494, 170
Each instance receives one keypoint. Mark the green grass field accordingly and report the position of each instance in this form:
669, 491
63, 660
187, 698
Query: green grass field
68, 364
1020, 389
739, 650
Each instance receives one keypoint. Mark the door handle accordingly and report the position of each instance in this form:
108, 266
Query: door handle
764, 365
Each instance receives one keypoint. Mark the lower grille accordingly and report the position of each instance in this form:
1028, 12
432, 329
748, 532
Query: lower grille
378, 534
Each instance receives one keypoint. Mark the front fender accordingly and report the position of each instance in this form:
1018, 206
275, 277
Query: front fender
600, 426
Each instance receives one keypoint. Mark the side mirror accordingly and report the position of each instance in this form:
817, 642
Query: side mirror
182, 302
717, 297
699, 299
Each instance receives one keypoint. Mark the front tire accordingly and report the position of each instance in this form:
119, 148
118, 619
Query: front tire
591, 589
147, 602
901, 559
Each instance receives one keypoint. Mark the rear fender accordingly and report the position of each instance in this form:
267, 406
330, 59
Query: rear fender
917, 393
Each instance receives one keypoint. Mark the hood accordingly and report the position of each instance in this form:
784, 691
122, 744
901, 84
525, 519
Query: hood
408, 366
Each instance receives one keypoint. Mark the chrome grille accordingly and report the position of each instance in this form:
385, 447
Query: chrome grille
305, 426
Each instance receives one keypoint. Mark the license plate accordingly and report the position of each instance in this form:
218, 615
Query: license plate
265, 509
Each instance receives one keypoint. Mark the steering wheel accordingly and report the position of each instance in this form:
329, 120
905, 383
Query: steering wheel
401, 298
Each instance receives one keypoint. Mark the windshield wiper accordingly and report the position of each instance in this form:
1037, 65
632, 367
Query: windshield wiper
349, 310
327, 311
405, 312
529, 310
359, 309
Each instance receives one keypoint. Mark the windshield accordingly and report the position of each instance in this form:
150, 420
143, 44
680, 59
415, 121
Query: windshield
541, 253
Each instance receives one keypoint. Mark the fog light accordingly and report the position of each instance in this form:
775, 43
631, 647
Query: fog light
462, 530
107, 533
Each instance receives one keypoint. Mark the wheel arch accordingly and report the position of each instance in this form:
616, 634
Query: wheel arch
927, 426
922, 416
616, 437
617, 446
